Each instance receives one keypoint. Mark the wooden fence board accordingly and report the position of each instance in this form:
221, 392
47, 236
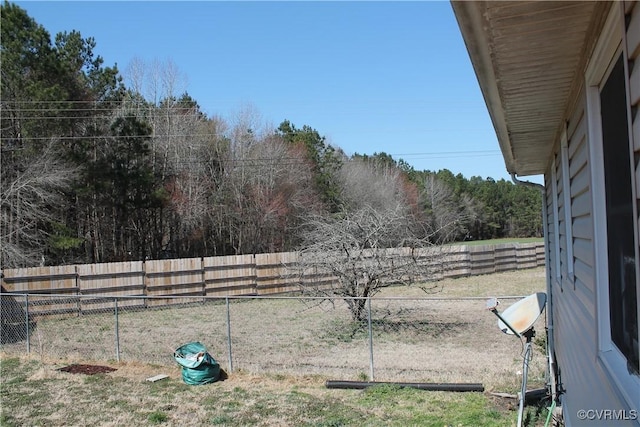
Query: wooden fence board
541, 258
505, 257
483, 259
317, 277
261, 274
230, 275
456, 261
61, 280
526, 256
432, 262
174, 277
274, 274
114, 279
57, 279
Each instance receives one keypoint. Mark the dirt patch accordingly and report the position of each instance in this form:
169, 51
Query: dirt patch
87, 369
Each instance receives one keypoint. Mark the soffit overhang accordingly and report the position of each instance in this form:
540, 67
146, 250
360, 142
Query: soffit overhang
529, 57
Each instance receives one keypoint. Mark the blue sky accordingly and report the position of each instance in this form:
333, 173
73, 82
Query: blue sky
389, 77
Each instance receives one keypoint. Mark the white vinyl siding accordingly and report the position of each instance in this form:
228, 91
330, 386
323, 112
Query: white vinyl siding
556, 221
581, 224
609, 384
567, 208
581, 219
574, 307
590, 379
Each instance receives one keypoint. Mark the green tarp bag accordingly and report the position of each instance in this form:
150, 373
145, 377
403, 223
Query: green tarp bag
198, 367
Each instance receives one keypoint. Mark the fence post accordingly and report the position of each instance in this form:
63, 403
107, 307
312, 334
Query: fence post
26, 316
115, 301
371, 376
229, 335
204, 280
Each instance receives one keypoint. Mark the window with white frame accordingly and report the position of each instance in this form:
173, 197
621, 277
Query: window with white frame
614, 206
619, 205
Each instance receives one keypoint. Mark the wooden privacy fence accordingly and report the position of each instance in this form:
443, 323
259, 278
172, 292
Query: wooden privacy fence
260, 274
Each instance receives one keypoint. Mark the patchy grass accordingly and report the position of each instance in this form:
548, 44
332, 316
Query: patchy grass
37, 394
417, 336
283, 351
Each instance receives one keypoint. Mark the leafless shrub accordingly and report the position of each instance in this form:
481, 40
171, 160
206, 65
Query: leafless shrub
359, 253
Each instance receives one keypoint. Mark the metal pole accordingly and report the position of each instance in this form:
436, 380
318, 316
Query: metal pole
117, 331
229, 335
495, 311
371, 377
26, 316
525, 372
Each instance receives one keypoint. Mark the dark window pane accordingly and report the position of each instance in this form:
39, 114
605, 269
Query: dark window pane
620, 221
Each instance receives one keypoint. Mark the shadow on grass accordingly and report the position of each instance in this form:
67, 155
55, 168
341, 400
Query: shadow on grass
348, 330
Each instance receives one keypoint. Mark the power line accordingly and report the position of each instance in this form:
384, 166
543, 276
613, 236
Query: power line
258, 160
413, 156
121, 110
68, 138
128, 108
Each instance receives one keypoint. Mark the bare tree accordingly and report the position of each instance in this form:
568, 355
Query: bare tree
363, 252
31, 195
155, 80
282, 194
376, 241
365, 183
380, 238
449, 214
186, 156
134, 75
268, 189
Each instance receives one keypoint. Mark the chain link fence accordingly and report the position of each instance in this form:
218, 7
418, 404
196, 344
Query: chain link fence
408, 339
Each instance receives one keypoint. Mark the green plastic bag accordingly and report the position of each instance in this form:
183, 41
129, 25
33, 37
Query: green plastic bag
198, 367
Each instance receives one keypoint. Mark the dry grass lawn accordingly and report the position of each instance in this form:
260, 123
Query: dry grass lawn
283, 350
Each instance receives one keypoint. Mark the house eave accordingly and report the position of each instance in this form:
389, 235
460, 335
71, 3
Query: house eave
527, 56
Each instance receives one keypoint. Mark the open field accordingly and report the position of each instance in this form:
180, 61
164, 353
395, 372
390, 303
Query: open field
283, 351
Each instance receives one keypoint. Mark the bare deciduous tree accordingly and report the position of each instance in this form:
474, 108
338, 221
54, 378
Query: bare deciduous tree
363, 251
268, 189
448, 214
155, 80
365, 183
30, 196
379, 239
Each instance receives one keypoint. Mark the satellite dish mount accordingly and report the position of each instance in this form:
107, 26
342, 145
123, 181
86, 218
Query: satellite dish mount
518, 320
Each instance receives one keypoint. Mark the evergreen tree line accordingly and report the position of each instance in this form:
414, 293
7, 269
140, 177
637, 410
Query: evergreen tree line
96, 170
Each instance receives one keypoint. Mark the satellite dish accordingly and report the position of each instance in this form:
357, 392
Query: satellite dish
523, 314
518, 320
